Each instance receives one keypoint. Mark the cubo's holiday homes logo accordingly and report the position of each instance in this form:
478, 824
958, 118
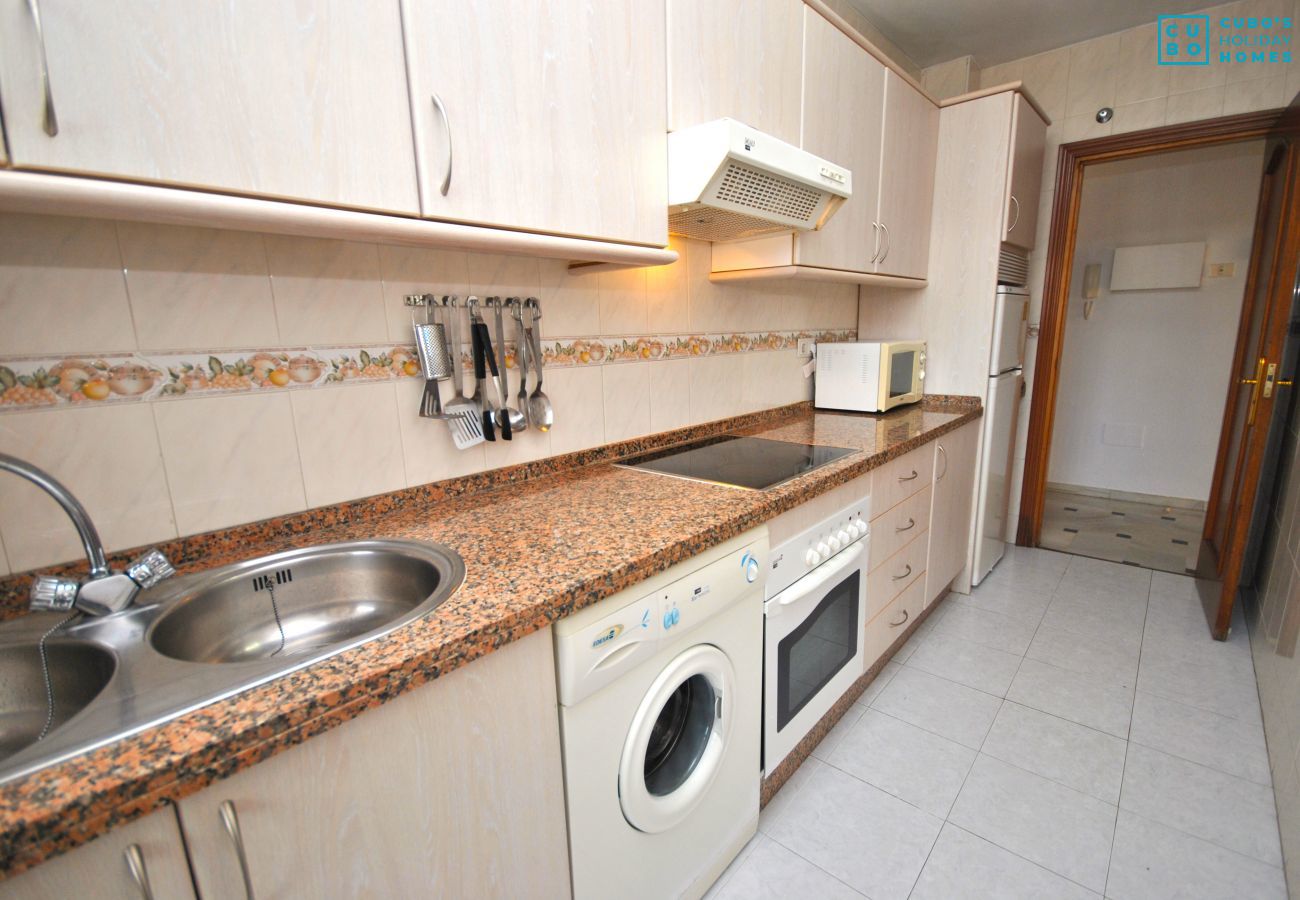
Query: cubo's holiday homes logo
1199, 40
1184, 40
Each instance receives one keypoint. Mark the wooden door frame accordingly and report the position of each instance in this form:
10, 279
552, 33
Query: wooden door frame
1070, 162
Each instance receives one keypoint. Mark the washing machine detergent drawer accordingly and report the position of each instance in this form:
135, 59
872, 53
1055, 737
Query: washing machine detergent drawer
594, 646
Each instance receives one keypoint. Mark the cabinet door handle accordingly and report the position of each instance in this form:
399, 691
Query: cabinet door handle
1016, 204
944, 453
911, 477
905, 574
230, 822
875, 231
900, 621
911, 523
49, 121
884, 229
446, 125
139, 874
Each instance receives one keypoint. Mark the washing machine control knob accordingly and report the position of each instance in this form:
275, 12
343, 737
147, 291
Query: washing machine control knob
751, 570
812, 557
668, 619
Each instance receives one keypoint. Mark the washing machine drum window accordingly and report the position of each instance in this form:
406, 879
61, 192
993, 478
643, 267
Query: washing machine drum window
678, 739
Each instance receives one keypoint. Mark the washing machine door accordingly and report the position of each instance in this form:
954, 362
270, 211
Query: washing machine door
678, 739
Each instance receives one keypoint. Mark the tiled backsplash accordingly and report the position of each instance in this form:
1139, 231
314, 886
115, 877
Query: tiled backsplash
152, 368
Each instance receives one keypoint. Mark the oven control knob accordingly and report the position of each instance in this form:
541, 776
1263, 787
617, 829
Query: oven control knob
812, 557
824, 549
858, 527
846, 536
835, 543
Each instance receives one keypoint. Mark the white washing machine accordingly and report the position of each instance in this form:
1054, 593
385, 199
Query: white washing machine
660, 691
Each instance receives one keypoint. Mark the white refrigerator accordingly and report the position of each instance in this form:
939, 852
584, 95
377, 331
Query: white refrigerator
1001, 411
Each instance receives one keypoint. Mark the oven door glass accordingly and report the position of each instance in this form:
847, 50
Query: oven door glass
819, 647
902, 366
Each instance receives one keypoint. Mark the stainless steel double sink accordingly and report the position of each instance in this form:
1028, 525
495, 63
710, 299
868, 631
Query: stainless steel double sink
194, 640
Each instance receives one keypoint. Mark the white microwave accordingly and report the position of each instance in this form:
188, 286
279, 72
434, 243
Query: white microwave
869, 376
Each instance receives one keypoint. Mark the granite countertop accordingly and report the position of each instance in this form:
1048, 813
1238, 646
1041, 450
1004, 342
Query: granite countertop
536, 546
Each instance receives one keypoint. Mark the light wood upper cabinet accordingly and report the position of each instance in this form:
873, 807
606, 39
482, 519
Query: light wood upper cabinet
101, 869
736, 58
843, 112
951, 503
1024, 175
911, 143
552, 116
301, 100
454, 789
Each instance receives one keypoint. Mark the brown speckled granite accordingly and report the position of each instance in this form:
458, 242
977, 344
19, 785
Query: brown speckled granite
574, 536
802, 750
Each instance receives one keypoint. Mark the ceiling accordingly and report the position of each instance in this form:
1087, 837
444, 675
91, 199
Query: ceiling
995, 31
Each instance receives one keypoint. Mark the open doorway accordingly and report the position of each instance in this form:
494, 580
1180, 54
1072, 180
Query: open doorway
1161, 252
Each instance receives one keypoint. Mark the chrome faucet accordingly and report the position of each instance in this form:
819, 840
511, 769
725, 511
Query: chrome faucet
103, 591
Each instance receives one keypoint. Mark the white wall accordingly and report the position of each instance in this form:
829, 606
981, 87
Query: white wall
1157, 360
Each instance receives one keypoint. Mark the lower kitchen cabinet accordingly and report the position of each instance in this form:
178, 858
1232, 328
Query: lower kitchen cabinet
951, 503
454, 789
115, 866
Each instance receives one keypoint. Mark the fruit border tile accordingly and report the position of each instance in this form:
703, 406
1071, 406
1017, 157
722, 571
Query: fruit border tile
38, 382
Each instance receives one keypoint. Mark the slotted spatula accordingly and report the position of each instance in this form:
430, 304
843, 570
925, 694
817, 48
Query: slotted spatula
463, 422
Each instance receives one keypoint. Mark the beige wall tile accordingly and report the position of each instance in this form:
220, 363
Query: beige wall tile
348, 441
1139, 116
1140, 78
416, 270
570, 303
61, 287
1195, 105
1047, 76
623, 302
1083, 128
108, 457
577, 394
773, 378
1001, 74
230, 459
428, 451
670, 396
1196, 78
1259, 93
1093, 75
525, 447
326, 292
717, 385
667, 297
197, 288
627, 399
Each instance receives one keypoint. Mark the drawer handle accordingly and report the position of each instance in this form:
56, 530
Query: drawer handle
139, 874
49, 121
230, 822
900, 621
905, 574
446, 124
911, 523
911, 477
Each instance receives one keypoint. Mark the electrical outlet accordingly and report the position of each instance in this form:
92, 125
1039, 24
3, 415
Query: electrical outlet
1222, 270
807, 346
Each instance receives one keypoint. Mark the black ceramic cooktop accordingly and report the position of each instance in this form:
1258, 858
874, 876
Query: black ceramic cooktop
746, 462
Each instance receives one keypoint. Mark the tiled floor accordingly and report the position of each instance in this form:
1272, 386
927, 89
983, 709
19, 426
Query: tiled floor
1167, 538
1068, 730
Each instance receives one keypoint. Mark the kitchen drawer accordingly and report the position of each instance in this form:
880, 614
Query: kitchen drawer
892, 530
899, 479
895, 619
896, 573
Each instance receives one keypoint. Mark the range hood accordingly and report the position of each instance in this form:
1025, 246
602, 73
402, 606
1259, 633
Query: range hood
730, 182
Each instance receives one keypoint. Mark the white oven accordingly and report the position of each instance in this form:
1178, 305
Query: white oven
814, 618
